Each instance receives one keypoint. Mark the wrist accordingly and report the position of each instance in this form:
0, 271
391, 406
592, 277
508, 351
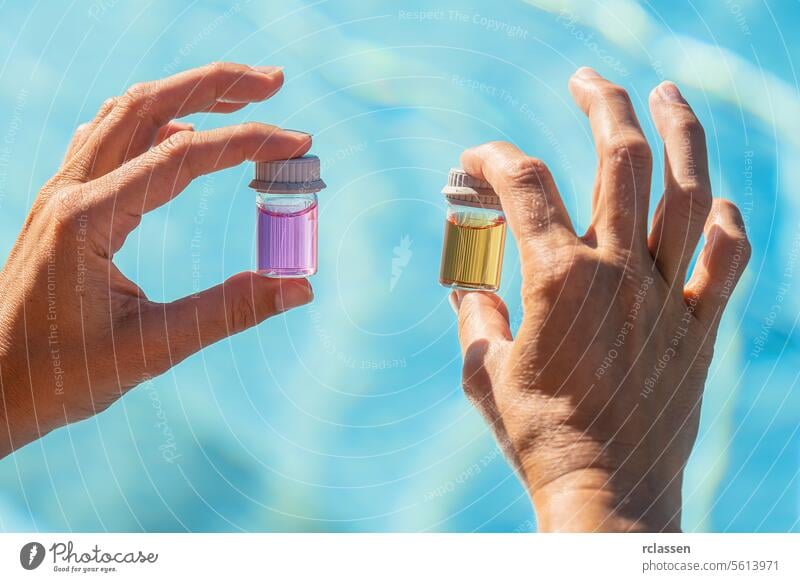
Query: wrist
18, 424
591, 500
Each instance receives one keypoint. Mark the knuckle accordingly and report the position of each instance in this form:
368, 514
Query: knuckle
734, 238
240, 312
251, 127
216, 66
612, 92
177, 144
66, 199
138, 99
107, 106
497, 145
224, 67
491, 150
64, 206
692, 200
629, 151
527, 171
136, 94
722, 205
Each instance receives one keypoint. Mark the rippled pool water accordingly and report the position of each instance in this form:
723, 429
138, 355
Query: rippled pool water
348, 415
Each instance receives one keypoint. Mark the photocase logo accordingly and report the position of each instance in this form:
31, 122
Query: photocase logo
401, 256
31, 555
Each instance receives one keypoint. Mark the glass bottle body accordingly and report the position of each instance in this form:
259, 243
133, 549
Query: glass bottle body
472, 253
286, 245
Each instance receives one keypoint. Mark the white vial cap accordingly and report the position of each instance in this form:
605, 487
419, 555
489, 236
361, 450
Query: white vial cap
295, 176
464, 189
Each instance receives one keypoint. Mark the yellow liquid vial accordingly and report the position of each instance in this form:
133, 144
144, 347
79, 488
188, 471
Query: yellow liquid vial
472, 255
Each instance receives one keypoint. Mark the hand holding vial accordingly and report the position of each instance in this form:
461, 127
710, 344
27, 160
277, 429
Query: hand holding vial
597, 399
75, 333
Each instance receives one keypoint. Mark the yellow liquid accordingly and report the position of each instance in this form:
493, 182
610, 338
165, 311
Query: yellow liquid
472, 257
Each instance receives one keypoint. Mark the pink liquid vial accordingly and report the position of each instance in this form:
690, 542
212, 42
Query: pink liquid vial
286, 211
287, 236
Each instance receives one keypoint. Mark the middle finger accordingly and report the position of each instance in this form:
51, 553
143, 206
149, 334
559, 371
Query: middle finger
622, 187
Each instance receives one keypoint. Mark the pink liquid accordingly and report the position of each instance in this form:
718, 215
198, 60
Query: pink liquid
287, 241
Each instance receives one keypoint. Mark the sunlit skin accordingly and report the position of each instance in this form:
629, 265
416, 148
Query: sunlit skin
75, 333
596, 400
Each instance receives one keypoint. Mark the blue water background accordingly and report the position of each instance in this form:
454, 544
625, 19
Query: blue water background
348, 415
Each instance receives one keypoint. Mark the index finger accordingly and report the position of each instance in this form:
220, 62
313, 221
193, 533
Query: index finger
526, 189
161, 173
130, 128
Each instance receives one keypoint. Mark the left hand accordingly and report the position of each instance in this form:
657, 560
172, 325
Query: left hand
75, 333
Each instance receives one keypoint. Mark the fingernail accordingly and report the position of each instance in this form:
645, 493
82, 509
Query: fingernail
291, 295
457, 299
268, 70
228, 100
670, 92
587, 73
298, 132
455, 302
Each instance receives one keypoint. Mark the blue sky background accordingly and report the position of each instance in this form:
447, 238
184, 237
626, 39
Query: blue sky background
348, 415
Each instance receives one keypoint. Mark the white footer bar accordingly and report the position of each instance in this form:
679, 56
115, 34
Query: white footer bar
400, 557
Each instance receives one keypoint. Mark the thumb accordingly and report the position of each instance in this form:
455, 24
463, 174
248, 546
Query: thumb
192, 323
483, 327
482, 324
482, 318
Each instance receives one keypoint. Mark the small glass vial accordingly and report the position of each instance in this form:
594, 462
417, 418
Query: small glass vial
474, 234
286, 216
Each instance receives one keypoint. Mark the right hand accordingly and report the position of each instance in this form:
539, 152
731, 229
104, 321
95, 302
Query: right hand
597, 399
